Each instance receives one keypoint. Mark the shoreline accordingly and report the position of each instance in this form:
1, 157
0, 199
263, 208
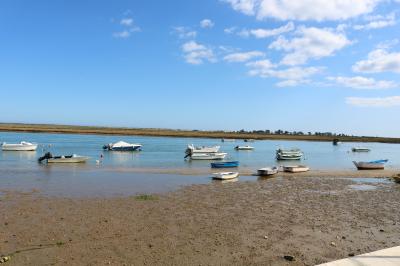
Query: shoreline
242, 223
92, 130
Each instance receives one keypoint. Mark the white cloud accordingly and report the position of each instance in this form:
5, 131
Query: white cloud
128, 27
318, 10
265, 33
359, 82
230, 30
184, 32
243, 57
290, 76
378, 22
374, 102
195, 53
379, 60
311, 43
206, 23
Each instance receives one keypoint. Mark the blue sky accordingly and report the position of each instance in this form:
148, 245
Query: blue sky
311, 65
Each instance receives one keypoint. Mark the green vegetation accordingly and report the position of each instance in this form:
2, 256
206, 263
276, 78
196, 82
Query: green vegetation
241, 134
144, 197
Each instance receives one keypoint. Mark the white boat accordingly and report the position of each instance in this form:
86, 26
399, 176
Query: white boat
63, 159
360, 149
22, 146
191, 149
373, 165
208, 156
122, 146
295, 168
228, 140
249, 140
294, 154
266, 171
244, 148
225, 175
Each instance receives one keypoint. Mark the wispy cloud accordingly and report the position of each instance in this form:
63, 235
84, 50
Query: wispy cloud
363, 83
196, 54
206, 23
379, 60
377, 22
128, 28
243, 57
374, 102
184, 32
261, 33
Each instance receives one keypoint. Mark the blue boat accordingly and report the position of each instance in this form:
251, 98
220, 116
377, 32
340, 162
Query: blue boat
225, 164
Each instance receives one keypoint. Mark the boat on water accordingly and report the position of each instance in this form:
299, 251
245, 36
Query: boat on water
225, 175
228, 140
293, 154
191, 149
335, 142
122, 146
244, 148
208, 156
360, 149
267, 171
295, 168
22, 146
49, 158
249, 140
230, 164
372, 165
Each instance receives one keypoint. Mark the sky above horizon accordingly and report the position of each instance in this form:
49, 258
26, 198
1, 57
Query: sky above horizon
306, 65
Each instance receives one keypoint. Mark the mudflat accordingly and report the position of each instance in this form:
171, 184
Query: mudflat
312, 219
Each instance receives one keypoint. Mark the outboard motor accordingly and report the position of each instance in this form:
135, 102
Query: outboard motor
47, 155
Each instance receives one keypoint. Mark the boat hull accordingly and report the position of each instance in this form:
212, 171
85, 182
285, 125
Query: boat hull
225, 176
369, 166
244, 148
267, 171
208, 156
80, 159
296, 169
19, 147
225, 164
131, 148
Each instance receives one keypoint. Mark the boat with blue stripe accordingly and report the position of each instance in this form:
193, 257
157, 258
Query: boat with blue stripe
122, 146
230, 164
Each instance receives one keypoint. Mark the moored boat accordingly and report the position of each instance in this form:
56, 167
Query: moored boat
372, 165
22, 146
228, 140
230, 164
191, 149
225, 175
208, 156
249, 140
360, 149
293, 154
244, 148
122, 146
49, 158
295, 168
267, 171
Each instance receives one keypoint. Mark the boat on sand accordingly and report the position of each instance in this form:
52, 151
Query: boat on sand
225, 175
372, 165
267, 171
22, 146
295, 168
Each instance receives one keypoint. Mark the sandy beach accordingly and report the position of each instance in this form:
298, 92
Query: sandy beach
313, 219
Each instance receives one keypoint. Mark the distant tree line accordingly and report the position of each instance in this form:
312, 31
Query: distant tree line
294, 133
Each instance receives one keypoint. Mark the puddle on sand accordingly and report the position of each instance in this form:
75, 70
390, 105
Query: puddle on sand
362, 187
371, 180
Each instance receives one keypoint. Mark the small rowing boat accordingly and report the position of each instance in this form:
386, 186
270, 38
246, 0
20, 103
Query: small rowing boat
49, 158
225, 164
267, 171
225, 175
22, 146
296, 168
360, 149
373, 165
244, 148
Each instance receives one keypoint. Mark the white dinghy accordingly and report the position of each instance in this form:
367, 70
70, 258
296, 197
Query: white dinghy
296, 168
267, 171
225, 175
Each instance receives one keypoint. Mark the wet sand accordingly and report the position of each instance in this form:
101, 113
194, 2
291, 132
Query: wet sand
313, 219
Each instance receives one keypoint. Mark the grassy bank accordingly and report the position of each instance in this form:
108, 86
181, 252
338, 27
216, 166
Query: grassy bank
67, 129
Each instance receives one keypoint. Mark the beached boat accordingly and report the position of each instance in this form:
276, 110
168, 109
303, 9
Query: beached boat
191, 149
49, 158
295, 168
208, 156
225, 164
373, 165
225, 175
267, 171
244, 148
22, 146
360, 149
396, 178
294, 154
122, 146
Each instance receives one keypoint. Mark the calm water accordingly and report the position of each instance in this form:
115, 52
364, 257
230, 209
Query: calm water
20, 169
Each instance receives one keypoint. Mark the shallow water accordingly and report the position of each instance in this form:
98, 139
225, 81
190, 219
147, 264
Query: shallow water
20, 170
